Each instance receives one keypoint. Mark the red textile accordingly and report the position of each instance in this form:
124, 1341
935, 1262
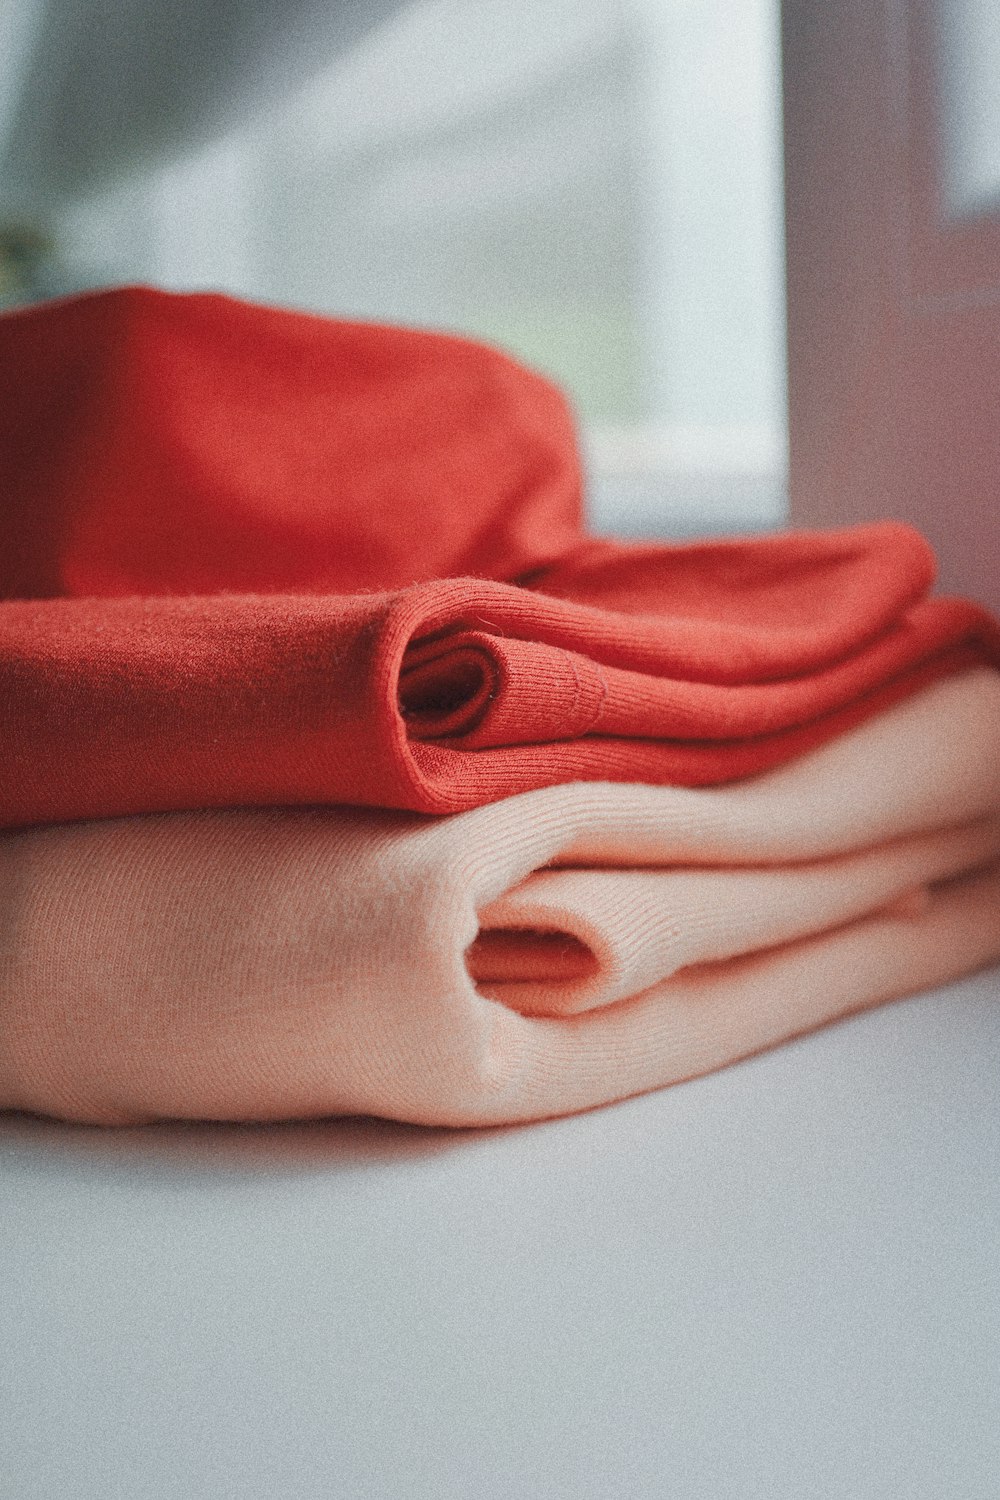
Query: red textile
200, 495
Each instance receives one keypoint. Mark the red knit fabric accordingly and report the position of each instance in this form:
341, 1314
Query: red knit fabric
200, 496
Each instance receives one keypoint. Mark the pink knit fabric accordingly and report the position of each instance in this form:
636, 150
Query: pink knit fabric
545, 954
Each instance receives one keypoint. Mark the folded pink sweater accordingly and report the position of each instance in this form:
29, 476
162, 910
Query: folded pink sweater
544, 954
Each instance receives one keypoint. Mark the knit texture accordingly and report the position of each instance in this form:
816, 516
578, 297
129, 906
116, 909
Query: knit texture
545, 954
253, 557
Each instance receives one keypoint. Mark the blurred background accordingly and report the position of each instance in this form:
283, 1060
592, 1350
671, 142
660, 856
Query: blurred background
595, 185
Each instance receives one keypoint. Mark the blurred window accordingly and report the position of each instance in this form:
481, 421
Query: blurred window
594, 184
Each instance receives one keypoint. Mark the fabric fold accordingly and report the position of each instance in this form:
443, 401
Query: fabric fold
638, 928
545, 954
227, 701
255, 557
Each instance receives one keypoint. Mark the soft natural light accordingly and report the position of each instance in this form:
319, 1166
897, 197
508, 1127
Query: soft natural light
595, 186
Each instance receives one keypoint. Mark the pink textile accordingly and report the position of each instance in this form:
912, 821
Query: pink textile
545, 954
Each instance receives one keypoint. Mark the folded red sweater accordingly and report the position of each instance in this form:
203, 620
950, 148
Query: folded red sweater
202, 496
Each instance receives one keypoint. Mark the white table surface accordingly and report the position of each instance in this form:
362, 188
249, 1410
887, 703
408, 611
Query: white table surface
782, 1282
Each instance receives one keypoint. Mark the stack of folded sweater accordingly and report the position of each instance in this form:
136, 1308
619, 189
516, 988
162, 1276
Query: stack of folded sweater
342, 772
